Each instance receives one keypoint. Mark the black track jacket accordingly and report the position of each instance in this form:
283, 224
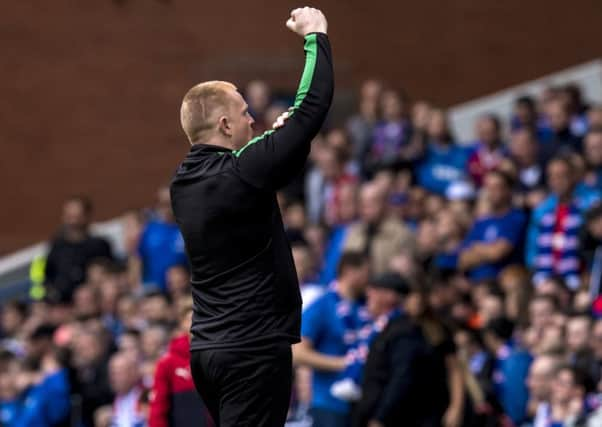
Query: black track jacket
244, 283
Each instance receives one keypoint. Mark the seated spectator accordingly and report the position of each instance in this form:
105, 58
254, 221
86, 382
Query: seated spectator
594, 117
13, 315
450, 233
73, 248
328, 327
494, 241
378, 236
124, 374
161, 245
174, 400
567, 398
510, 368
489, 149
557, 222
444, 162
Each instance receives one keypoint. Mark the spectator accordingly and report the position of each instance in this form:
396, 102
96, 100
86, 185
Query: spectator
161, 244
383, 302
526, 118
539, 382
125, 378
594, 117
376, 235
361, 125
444, 162
449, 232
90, 355
494, 241
73, 248
44, 393
328, 328
526, 154
563, 140
391, 137
557, 222
174, 400
591, 237
258, 96
178, 282
396, 379
566, 403
593, 157
489, 149
304, 263
510, 368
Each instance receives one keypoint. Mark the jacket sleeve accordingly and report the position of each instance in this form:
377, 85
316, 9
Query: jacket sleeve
159, 405
272, 160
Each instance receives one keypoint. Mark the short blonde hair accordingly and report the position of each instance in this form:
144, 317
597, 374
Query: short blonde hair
201, 106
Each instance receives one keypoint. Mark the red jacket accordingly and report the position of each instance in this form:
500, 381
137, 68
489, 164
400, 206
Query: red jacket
174, 400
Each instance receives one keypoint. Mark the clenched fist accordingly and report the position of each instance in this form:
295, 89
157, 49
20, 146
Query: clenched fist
307, 20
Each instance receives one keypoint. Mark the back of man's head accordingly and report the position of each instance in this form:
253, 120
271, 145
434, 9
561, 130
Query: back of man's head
202, 106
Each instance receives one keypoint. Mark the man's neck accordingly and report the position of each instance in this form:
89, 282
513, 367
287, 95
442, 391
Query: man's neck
217, 141
500, 210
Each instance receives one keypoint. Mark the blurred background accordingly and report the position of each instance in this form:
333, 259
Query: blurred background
463, 153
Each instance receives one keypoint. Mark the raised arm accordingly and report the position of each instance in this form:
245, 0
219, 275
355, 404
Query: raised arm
272, 160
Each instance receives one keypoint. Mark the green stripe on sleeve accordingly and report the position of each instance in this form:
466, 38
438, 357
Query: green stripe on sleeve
311, 49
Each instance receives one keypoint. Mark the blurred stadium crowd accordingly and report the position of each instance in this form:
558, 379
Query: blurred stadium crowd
444, 282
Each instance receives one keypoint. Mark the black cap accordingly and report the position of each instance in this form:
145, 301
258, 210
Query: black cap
391, 281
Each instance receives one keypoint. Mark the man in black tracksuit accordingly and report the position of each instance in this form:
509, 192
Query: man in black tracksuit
247, 305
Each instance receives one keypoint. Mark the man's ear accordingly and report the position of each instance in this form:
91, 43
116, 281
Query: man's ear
224, 127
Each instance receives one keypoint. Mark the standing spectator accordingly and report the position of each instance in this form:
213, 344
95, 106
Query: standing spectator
489, 149
578, 329
525, 151
306, 275
328, 327
383, 302
526, 117
73, 248
161, 244
557, 222
178, 282
591, 237
258, 96
89, 361
444, 163
397, 386
174, 400
494, 241
44, 399
361, 125
391, 137
124, 375
378, 236
539, 381
559, 116
510, 369
593, 158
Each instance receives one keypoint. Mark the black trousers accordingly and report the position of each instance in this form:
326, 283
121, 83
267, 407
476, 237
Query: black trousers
245, 387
